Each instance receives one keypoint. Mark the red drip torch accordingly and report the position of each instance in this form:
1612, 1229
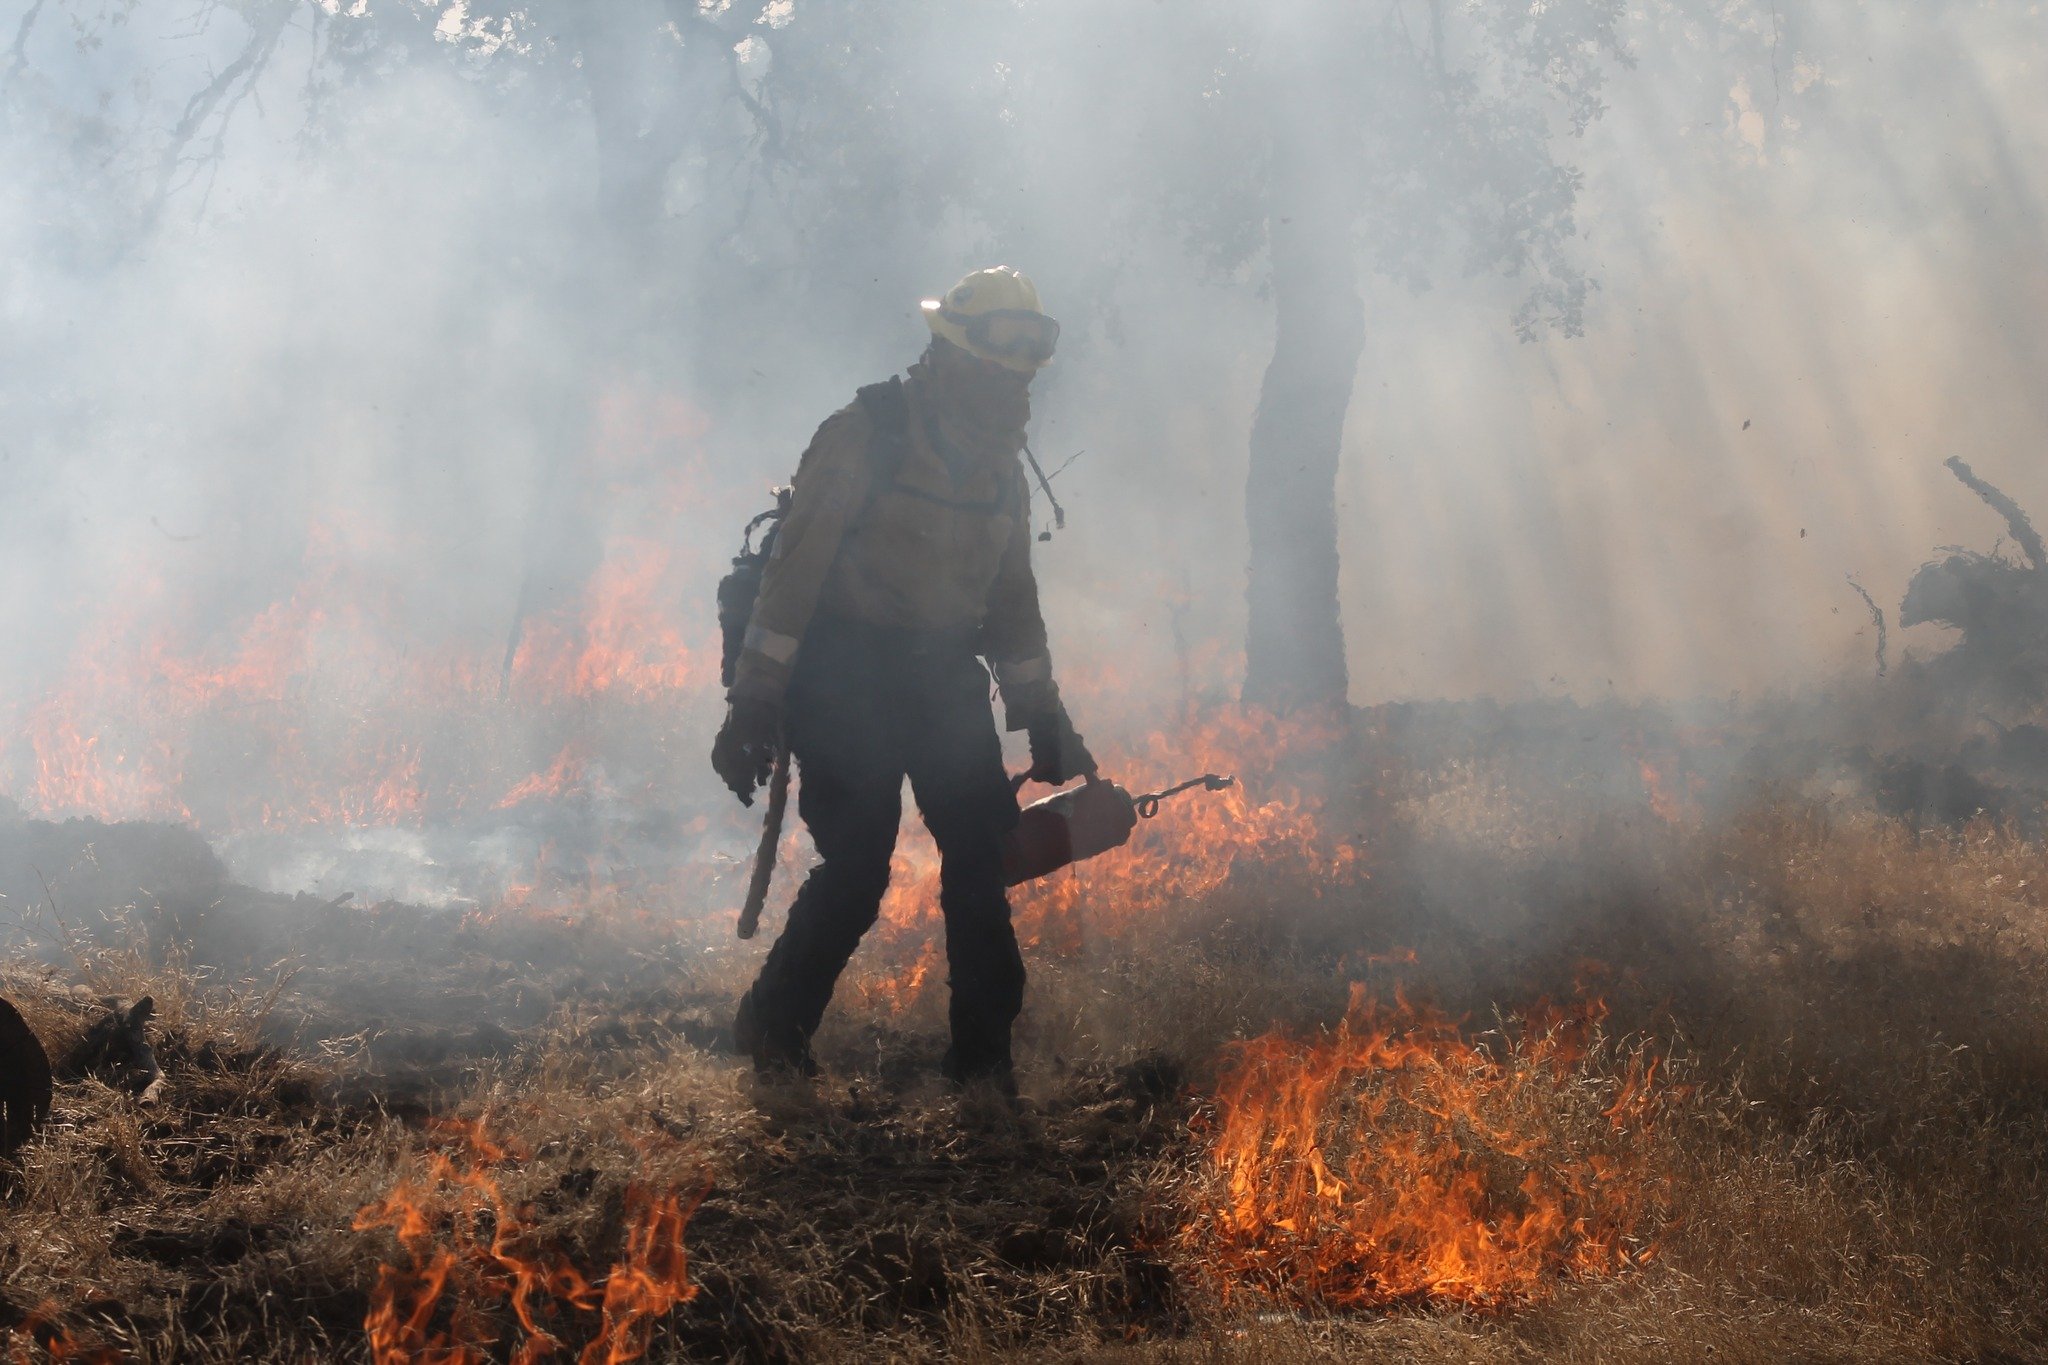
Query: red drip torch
1078, 823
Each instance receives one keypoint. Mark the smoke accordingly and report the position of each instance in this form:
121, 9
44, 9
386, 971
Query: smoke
374, 316
1808, 299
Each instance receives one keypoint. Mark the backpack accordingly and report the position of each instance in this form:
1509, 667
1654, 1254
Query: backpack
889, 412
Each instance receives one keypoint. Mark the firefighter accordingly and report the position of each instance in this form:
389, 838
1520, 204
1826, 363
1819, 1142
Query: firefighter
903, 562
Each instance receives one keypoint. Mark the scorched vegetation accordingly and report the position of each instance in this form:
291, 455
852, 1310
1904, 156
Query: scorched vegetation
1502, 1047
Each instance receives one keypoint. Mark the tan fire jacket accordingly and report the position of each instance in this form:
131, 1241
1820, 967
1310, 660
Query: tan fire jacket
929, 552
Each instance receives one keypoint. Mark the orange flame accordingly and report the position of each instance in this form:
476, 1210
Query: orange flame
454, 1199
561, 777
626, 637
318, 701
1673, 802
1662, 803
652, 1278
42, 1328
1270, 820
896, 991
1393, 1160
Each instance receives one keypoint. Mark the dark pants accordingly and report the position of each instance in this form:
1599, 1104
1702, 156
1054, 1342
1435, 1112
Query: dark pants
867, 708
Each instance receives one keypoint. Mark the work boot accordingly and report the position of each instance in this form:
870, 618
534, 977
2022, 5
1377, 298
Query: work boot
779, 1051
965, 1067
746, 1029
788, 1060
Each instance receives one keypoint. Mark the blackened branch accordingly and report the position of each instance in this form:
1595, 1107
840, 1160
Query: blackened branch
267, 28
1876, 615
17, 56
2023, 531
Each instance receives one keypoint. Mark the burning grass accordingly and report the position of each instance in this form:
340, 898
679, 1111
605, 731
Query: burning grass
1392, 1160
317, 701
440, 1219
1799, 1117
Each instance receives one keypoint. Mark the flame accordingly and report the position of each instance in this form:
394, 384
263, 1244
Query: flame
41, 1327
1272, 820
472, 1274
1670, 785
625, 637
894, 992
309, 710
1393, 1160
652, 1278
564, 775
1665, 806
343, 704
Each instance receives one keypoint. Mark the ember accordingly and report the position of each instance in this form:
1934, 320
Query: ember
1393, 1160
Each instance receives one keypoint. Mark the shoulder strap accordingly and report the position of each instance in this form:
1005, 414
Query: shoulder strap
888, 407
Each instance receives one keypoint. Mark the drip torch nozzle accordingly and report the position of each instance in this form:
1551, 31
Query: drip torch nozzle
1148, 804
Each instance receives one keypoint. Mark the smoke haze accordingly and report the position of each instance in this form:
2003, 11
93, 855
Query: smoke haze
369, 336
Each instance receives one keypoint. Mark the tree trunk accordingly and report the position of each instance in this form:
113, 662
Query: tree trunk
1294, 650
636, 144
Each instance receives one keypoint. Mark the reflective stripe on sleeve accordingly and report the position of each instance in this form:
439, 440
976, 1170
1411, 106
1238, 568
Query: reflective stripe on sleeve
772, 644
1024, 672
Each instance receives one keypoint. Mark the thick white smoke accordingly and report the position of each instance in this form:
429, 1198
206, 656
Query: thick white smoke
370, 324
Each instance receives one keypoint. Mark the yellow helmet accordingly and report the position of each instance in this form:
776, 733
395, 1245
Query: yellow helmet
993, 314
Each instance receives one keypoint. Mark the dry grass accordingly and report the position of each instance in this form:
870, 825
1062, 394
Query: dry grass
1852, 1141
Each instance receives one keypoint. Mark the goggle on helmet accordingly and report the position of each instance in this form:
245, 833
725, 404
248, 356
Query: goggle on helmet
994, 314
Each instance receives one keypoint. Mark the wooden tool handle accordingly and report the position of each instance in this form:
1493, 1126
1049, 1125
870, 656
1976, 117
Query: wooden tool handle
771, 841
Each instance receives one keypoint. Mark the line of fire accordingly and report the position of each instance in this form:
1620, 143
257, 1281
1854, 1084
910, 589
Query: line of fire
778, 680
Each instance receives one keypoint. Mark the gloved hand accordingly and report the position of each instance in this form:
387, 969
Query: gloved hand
744, 752
1057, 754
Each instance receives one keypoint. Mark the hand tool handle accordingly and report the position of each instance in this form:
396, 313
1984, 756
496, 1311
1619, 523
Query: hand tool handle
771, 840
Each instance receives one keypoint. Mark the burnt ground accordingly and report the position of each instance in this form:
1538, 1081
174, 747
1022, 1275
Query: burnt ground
875, 1202
1847, 1008
296, 1032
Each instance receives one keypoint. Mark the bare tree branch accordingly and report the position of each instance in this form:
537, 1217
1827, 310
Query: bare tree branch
689, 17
245, 69
1877, 615
17, 56
2016, 521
